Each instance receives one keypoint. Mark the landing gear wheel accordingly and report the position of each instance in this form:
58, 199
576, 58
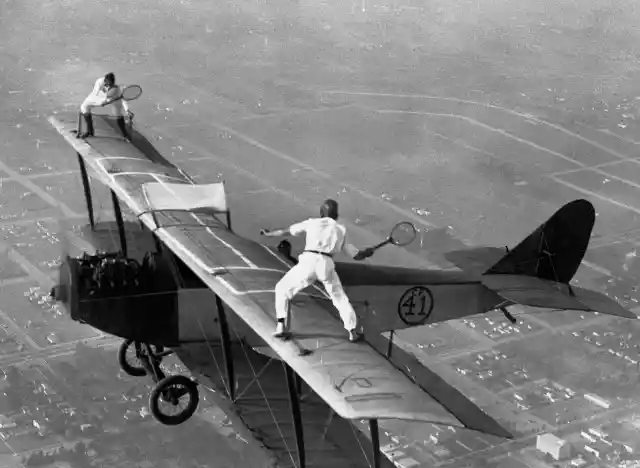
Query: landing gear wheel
171, 394
131, 364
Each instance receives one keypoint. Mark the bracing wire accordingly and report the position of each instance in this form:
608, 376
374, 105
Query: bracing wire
328, 423
266, 400
324, 434
364, 452
553, 267
253, 380
227, 385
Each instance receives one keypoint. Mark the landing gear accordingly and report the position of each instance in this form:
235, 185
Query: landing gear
171, 393
133, 364
508, 315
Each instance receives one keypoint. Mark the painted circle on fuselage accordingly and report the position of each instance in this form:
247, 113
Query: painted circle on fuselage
415, 305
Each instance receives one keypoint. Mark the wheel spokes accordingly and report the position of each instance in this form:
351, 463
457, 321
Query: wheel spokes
173, 399
134, 358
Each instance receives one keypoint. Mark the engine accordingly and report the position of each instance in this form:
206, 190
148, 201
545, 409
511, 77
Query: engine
121, 296
111, 275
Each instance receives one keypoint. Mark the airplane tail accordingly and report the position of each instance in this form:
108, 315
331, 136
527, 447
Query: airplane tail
555, 250
538, 270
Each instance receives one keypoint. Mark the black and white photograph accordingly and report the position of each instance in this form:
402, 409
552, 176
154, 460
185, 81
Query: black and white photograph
319, 234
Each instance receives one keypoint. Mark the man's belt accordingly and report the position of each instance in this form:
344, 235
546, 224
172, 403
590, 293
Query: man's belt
320, 253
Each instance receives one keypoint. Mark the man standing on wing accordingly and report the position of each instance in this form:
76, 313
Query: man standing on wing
105, 91
325, 237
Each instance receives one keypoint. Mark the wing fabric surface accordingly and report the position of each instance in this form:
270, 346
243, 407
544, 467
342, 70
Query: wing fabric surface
354, 379
209, 197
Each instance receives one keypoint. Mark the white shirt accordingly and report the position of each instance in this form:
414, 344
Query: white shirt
100, 91
324, 235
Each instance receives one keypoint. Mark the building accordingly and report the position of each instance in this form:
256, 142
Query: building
602, 449
556, 447
7, 422
595, 399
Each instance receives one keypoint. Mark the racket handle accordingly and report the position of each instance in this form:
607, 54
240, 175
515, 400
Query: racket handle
381, 244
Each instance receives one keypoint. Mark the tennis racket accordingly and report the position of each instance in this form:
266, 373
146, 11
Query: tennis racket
129, 93
402, 234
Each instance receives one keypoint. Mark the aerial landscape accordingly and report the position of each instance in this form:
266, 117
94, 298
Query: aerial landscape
474, 120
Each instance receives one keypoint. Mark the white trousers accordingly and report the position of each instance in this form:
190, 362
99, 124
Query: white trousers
312, 267
93, 101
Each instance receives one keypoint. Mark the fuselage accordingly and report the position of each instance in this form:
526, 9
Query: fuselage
389, 298
178, 307
185, 310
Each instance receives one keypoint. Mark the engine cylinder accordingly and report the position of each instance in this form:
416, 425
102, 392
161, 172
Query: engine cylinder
119, 296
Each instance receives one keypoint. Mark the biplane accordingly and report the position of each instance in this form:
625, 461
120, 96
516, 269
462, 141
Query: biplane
202, 278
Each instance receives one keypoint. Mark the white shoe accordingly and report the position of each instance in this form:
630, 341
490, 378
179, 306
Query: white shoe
281, 331
355, 336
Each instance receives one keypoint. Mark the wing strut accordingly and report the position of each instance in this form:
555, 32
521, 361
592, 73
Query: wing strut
390, 347
227, 352
87, 191
120, 222
294, 384
375, 442
296, 413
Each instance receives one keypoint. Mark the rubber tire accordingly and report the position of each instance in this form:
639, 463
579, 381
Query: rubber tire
125, 365
156, 394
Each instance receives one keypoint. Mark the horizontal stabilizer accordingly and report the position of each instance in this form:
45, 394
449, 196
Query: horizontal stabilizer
537, 292
599, 302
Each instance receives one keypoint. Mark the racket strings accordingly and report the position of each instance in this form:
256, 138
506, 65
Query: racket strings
403, 234
131, 92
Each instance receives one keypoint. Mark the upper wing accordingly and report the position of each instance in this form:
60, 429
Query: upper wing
354, 379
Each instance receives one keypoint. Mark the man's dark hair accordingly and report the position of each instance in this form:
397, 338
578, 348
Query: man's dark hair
329, 209
110, 78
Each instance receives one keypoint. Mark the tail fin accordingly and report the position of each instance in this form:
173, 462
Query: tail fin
538, 270
555, 250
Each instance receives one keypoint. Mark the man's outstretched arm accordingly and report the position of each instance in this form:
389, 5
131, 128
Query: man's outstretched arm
275, 232
293, 230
